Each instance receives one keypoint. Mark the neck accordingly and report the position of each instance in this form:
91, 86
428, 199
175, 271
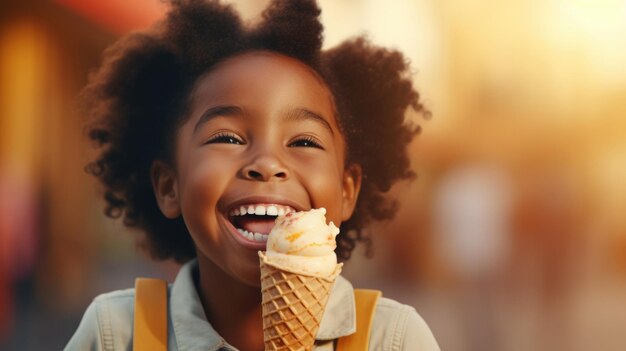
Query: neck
233, 308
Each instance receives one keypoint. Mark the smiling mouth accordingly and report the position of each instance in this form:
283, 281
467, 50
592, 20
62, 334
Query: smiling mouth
255, 221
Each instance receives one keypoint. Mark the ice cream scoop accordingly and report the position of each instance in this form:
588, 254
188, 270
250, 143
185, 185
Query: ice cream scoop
302, 242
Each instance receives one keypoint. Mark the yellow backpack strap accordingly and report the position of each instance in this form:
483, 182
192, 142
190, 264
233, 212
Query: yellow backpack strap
150, 325
365, 302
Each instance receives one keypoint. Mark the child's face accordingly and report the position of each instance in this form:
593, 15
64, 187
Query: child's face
261, 131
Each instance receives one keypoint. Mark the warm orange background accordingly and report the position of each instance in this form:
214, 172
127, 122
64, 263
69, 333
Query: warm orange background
512, 237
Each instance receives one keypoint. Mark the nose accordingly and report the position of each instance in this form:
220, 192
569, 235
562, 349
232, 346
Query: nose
265, 168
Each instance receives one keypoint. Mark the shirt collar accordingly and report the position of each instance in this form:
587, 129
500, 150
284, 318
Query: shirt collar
340, 315
191, 327
193, 331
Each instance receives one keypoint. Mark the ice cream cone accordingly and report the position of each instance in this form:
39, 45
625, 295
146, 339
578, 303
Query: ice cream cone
293, 306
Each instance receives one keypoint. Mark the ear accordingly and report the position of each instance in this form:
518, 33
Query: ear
165, 187
351, 187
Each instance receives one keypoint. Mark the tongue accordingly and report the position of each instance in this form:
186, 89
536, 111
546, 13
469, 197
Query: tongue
259, 225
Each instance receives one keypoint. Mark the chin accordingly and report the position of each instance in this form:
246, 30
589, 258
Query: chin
252, 279
247, 273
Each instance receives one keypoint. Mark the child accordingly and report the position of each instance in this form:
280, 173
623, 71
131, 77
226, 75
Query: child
202, 115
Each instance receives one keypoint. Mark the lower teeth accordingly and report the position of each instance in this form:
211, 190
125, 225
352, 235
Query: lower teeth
253, 236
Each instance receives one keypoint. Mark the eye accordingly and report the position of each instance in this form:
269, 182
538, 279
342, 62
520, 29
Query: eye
306, 141
225, 138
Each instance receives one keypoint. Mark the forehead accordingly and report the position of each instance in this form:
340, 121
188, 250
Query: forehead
258, 74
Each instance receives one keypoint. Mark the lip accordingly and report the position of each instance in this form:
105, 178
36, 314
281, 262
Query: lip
260, 199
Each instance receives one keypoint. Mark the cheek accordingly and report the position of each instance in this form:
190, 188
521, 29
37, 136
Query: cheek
204, 184
323, 180
206, 174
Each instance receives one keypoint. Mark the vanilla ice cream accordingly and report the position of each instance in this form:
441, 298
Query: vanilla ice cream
302, 242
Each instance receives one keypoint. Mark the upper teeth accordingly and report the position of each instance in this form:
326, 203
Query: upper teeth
261, 210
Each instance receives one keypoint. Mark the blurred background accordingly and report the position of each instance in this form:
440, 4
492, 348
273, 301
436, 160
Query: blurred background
511, 238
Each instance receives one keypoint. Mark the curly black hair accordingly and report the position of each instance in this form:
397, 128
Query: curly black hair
137, 98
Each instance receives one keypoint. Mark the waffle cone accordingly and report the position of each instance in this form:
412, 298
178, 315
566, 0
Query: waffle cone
293, 306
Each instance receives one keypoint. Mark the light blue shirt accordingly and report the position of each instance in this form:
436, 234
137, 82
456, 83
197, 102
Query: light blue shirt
108, 321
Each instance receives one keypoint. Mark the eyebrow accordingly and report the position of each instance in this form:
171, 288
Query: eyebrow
294, 114
222, 110
302, 114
